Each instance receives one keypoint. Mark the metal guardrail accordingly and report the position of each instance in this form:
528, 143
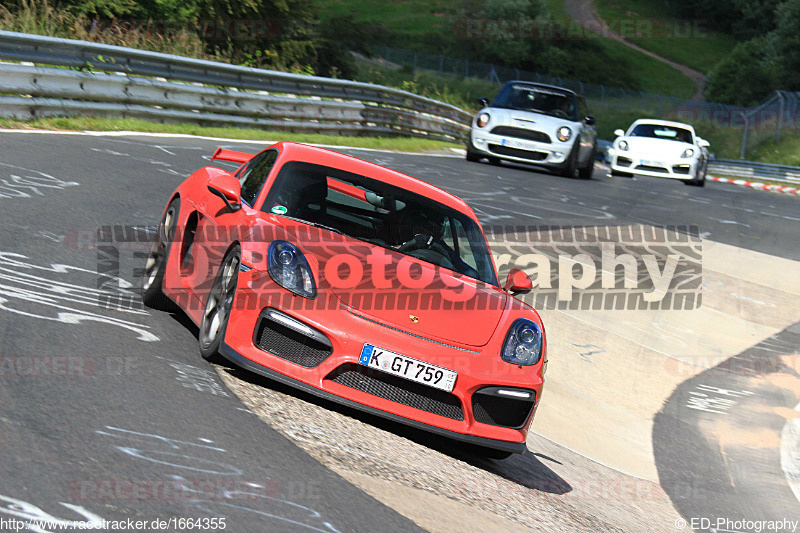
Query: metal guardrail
117, 81
753, 171
206, 91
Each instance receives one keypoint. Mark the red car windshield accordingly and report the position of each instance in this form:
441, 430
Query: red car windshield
376, 212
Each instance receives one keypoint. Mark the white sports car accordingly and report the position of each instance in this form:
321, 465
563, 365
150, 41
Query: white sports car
661, 149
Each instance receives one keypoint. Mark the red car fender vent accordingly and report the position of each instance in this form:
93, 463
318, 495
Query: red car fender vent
398, 390
503, 406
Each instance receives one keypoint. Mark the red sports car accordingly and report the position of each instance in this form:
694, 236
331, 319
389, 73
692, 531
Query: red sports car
355, 283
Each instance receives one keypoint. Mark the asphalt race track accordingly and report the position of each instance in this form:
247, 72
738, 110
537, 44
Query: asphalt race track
108, 412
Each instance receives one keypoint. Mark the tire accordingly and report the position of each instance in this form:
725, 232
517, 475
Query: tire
572, 161
472, 156
700, 177
494, 161
218, 307
152, 294
585, 173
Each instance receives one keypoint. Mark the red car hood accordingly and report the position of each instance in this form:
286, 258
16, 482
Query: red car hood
406, 293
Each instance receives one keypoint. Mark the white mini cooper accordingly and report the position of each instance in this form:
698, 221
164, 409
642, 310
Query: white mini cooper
537, 124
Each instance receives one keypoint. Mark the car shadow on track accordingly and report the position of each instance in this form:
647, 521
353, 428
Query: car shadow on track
526, 470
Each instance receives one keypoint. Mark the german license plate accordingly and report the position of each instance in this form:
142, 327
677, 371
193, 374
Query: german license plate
650, 163
522, 145
408, 367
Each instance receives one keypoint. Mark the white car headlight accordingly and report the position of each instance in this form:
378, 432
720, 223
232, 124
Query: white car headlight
483, 120
687, 153
623, 145
564, 134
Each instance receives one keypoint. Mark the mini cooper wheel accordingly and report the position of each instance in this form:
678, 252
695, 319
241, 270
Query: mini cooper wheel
585, 172
152, 294
472, 157
571, 166
218, 307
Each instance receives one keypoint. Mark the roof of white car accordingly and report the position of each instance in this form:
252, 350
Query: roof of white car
658, 122
542, 85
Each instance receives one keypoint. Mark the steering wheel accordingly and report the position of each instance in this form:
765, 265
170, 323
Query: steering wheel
560, 113
426, 248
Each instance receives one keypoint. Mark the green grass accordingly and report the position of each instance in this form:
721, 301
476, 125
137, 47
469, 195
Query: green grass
404, 144
689, 43
653, 75
787, 152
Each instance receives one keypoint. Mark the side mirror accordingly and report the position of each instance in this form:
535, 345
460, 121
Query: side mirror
518, 282
228, 188
589, 120
702, 143
619, 133
483, 101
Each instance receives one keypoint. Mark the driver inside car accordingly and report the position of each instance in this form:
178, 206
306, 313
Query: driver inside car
422, 235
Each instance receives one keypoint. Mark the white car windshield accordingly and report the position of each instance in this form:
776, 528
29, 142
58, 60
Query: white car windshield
539, 100
657, 131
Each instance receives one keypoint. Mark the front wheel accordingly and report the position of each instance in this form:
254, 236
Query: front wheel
218, 307
472, 156
572, 163
700, 175
585, 173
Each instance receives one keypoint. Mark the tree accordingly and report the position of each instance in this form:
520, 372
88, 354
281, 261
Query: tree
506, 32
787, 45
746, 76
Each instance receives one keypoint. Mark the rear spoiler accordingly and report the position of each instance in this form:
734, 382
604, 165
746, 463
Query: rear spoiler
221, 154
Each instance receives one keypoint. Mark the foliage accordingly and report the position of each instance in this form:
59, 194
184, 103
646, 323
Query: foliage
731, 82
277, 34
492, 30
761, 65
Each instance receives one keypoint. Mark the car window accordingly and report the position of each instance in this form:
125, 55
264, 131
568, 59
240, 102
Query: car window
657, 131
465, 244
382, 214
538, 99
253, 176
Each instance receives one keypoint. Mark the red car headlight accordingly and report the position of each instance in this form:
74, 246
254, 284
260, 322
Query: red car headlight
523, 344
288, 267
